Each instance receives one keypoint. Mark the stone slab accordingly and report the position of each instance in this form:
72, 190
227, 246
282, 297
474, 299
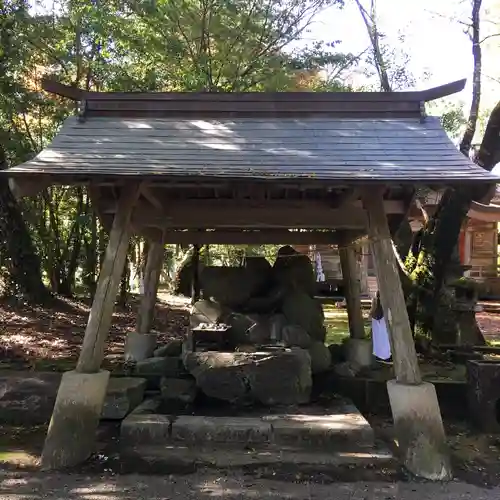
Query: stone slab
199, 429
222, 456
27, 398
77, 410
346, 426
145, 428
122, 396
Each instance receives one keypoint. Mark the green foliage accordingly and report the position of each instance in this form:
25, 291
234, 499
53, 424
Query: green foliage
452, 115
174, 45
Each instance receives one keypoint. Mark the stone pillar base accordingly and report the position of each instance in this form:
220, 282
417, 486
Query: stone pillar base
419, 430
72, 429
139, 346
359, 352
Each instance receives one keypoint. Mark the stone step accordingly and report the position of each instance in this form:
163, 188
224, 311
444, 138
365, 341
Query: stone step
341, 427
224, 456
123, 395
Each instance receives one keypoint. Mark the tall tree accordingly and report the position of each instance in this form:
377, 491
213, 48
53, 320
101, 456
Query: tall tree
433, 253
17, 251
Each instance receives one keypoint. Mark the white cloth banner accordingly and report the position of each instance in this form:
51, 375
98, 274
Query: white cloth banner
320, 275
380, 337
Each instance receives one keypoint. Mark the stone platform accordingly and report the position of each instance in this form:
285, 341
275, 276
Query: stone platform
338, 434
28, 398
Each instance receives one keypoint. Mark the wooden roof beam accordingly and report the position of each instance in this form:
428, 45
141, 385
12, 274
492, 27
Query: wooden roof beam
431, 94
244, 218
258, 237
172, 209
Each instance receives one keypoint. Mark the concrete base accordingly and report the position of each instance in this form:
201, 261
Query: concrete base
139, 346
78, 407
123, 395
360, 352
419, 430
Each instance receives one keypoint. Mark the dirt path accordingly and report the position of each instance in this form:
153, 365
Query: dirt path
204, 486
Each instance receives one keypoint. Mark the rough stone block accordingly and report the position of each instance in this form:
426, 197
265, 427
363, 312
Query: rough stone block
321, 358
139, 346
274, 377
483, 394
123, 395
27, 398
419, 430
178, 389
72, 429
198, 429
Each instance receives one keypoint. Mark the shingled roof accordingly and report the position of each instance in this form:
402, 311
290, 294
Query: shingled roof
351, 137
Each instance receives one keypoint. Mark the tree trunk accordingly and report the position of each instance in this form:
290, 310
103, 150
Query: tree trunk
124, 282
435, 255
18, 250
90, 263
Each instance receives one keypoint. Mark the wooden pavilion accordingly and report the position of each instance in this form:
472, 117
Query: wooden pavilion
293, 168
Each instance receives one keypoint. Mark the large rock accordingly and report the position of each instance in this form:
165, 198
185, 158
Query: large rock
234, 286
305, 311
272, 378
259, 272
321, 357
153, 369
295, 336
178, 389
249, 329
294, 271
218, 374
287, 334
227, 285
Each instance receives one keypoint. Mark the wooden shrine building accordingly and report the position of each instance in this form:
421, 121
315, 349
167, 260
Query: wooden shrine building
297, 168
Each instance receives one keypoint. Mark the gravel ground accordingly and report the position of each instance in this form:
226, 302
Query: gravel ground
29, 486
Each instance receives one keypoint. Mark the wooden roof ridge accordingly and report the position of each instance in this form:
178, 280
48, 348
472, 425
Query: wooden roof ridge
200, 105
77, 94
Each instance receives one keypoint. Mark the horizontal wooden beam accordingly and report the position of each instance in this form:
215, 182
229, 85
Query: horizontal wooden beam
247, 214
242, 218
259, 237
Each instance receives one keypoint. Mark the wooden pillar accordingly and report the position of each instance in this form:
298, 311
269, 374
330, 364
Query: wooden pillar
154, 264
391, 292
352, 287
414, 405
195, 283
103, 304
